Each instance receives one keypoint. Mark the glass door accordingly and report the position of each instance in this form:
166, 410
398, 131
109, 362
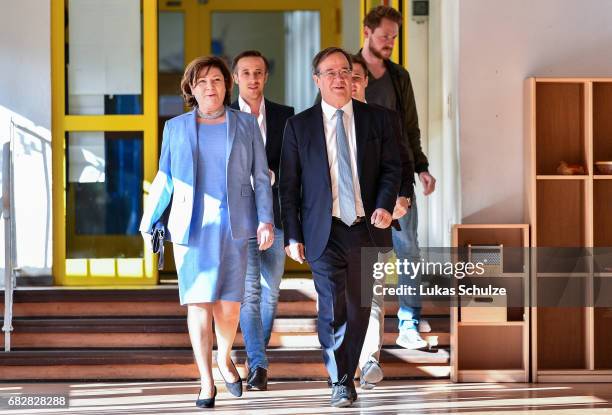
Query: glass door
104, 79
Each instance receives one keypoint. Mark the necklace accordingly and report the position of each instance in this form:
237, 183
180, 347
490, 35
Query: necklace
212, 116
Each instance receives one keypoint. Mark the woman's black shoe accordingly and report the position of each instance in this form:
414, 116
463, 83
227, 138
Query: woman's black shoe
208, 402
234, 388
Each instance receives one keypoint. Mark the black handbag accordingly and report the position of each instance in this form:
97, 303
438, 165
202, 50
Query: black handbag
159, 234
157, 242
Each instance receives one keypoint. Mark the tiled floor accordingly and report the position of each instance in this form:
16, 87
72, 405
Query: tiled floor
391, 397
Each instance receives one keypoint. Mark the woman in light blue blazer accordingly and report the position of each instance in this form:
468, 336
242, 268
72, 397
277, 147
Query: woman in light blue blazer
214, 175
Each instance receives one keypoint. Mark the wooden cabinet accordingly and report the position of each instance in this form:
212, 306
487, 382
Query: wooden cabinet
491, 343
570, 120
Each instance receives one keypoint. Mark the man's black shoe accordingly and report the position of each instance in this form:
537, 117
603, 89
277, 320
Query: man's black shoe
257, 379
352, 391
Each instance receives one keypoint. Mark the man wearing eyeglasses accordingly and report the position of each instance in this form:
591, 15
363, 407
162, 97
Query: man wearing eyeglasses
389, 85
339, 180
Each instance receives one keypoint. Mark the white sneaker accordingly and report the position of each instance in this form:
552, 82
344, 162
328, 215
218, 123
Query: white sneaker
424, 326
410, 339
371, 373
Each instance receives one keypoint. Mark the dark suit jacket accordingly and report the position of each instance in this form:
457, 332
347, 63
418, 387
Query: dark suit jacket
406, 157
276, 118
405, 153
305, 184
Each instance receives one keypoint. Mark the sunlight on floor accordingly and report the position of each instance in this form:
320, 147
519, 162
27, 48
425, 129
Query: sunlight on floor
392, 397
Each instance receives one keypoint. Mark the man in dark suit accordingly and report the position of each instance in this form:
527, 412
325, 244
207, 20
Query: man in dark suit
340, 177
264, 268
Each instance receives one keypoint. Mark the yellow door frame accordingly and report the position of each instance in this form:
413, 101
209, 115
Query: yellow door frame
100, 271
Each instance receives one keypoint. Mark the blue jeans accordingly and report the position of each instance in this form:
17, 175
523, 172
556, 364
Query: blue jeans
406, 246
262, 288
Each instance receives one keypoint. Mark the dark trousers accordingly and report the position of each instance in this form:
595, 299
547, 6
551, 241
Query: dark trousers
344, 309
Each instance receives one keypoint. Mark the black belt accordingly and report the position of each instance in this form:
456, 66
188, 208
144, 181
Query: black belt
360, 219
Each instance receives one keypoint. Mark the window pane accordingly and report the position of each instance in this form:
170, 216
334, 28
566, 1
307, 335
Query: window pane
104, 194
171, 63
104, 57
288, 39
171, 42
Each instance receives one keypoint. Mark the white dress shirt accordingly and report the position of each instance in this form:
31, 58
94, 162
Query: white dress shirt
261, 119
329, 127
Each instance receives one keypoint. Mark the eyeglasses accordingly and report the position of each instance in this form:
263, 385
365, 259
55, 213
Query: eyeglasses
342, 73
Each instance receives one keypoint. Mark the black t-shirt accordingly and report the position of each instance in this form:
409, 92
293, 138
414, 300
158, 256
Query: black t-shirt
380, 91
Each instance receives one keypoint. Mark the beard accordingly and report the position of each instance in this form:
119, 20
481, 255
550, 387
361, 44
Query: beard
378, 52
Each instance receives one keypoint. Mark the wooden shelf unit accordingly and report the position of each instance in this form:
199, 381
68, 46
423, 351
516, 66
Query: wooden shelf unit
568, 119
494, 351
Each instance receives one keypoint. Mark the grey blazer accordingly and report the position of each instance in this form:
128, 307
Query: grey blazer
249, 194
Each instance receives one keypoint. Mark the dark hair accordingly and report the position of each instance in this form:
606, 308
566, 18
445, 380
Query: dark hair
358, 60
250, 54
195, 67
374, 16
325, 53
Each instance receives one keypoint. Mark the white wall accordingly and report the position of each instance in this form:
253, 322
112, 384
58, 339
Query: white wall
432, 57
416, 49
502, 42
442, 140
25, 59
25, 116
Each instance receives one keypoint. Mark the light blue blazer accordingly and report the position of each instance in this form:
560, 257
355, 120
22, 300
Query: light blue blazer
249, 194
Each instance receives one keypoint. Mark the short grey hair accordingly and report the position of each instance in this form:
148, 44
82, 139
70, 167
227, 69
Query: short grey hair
325, 53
